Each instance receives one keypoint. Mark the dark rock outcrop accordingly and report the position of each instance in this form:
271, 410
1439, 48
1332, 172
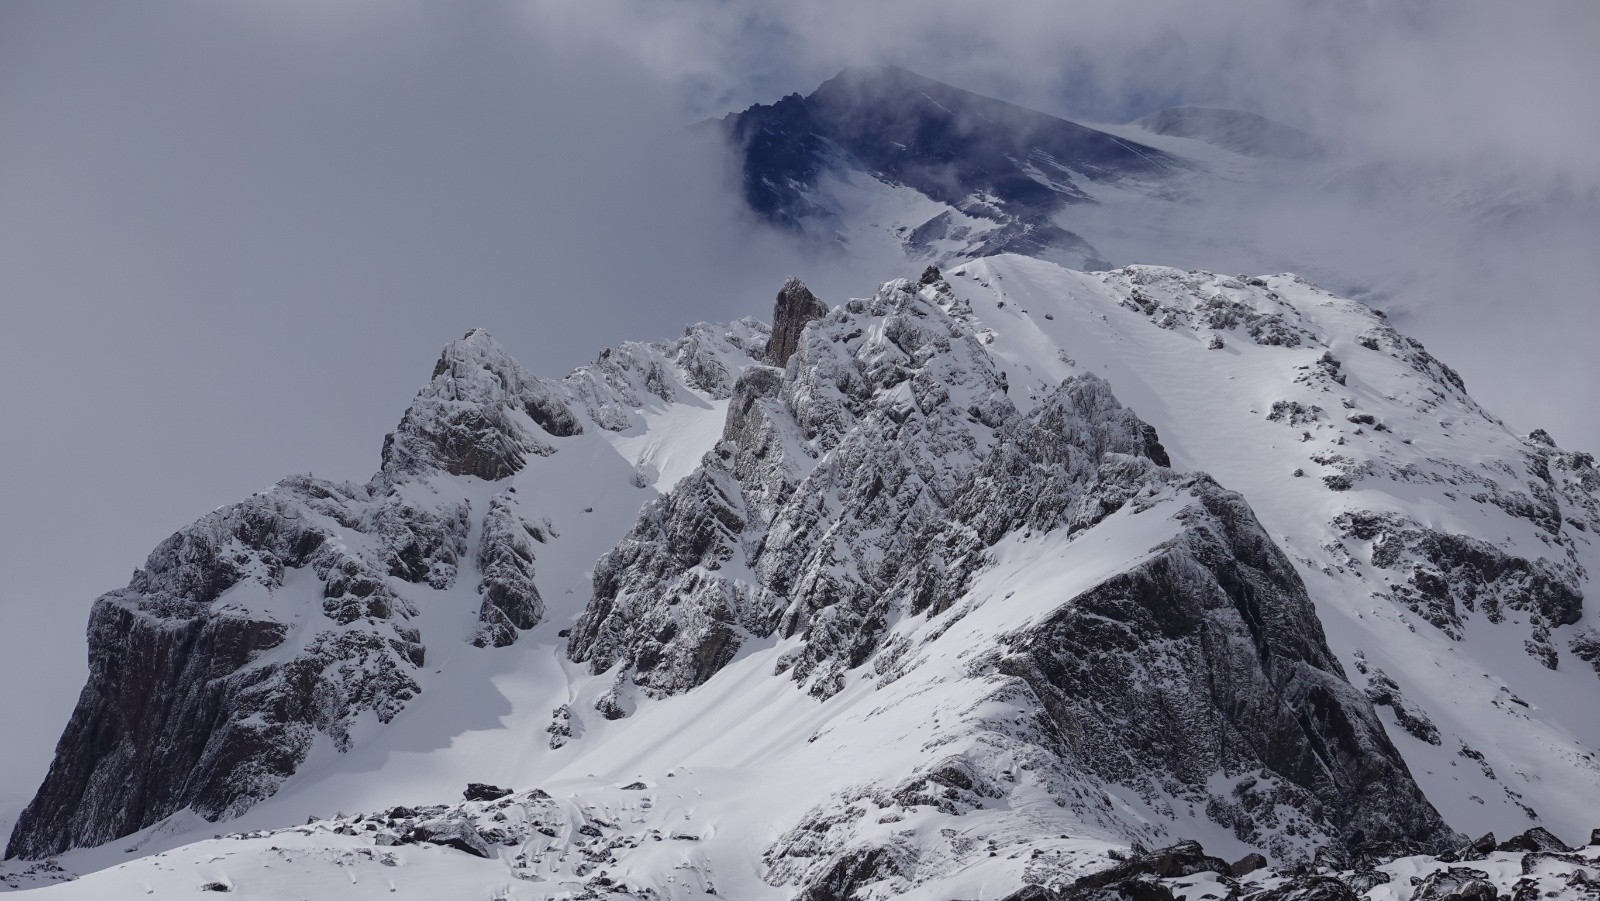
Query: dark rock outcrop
1307, 888
195, 698
1183, 859
483, 791
1247, 864
796, 306
1215, 632
850, 871
460, 834
1457, 884
1536, 839
511, 601
1536, 875
1447, 576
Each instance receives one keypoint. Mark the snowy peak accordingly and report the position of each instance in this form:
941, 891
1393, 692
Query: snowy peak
851, 527
981, 176
300, 618
473, 417
1449, 557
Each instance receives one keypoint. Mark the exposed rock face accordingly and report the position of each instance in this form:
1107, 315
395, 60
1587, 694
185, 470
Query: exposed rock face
1383, 691
665, 600
1308, 888
678, 545
511, 600
1535, 839
1446, 576
270, 622
1517, 874
1215, 633
422, 544
796, 306
872, 480
1182, 859
474, 417
482, 791
1457, 884
210, 679
200, 693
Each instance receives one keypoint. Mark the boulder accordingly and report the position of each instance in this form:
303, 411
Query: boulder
1536, 839
482, 791
456, 833
1456, 884
1247, 864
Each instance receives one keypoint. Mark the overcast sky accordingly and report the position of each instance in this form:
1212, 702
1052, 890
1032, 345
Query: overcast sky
233, 236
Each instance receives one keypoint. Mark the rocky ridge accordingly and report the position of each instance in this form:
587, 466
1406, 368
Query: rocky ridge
286, 619
857, 496
925, 536
1404, 504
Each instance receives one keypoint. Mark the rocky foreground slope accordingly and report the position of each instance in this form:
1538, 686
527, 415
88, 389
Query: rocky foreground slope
529, 844
924, 595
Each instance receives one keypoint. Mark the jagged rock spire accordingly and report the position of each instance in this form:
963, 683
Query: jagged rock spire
795, 307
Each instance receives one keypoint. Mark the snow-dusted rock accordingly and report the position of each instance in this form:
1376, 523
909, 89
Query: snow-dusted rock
481, 415
1208, 658
906, 464
1453, 553
286, 617
670, 600
204, 690
505, 559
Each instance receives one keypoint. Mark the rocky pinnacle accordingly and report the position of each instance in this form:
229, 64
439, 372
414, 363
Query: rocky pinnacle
795, 307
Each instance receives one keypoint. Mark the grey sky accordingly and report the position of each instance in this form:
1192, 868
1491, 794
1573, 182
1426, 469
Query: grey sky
233, 236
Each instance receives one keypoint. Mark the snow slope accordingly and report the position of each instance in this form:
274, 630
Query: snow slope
1439, 460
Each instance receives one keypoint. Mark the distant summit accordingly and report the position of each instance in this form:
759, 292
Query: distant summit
989, 174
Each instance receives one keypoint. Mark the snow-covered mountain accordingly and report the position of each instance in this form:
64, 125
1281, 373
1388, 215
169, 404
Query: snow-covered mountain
946, 592
883, 157
884, 165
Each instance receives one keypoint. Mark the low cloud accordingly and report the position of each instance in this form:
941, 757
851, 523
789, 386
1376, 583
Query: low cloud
1426, 79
